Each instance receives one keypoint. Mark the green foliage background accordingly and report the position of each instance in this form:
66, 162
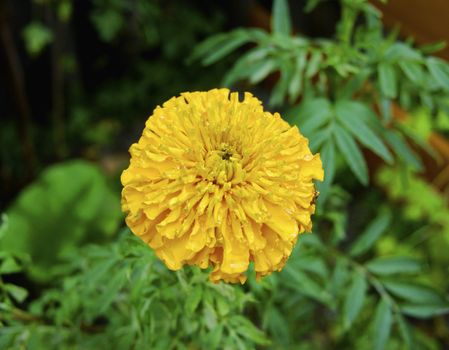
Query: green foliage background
372, 275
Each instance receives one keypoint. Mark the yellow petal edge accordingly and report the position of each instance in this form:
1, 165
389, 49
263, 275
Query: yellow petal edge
215, 181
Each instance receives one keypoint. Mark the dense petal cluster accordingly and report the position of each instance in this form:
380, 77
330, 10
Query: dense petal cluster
218, 181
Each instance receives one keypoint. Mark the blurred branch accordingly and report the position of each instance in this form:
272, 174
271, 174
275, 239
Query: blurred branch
14, 70
57, 113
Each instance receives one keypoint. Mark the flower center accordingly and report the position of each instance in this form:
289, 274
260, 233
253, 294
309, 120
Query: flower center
226, 153
224, 166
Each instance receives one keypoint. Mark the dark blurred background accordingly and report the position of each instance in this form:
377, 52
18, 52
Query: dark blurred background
78, 78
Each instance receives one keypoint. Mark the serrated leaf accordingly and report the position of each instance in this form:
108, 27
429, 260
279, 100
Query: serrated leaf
382, 325
439, 71
361, 131
354, 300
280, 20
413, 293
393, 265
371, 234
387, 80
352, 154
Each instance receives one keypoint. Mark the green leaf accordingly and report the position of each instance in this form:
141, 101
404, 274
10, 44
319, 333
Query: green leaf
432, 48
312, 115
280, 89
210, 316
295, 87
354, 299
65, 9
304, 285
413, 71
401, 52
401, 148
18, 293
311, 5
261, 69
391, 265
353, 85
404, 330
351, 153
356, 125
238, 71
382, 325
313, 64
425, 310
3, 225
245, 328
387, 80
413, 293
280, 21
328, 159
214, 337
371, 234
9, 265
85, 209
439, 71
318, 138
108, 23
193, 299
385, 109
37, 37
232, 43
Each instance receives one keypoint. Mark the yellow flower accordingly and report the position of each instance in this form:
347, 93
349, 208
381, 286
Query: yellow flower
217, 181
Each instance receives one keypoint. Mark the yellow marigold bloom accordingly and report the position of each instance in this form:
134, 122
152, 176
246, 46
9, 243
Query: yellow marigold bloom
218, 181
